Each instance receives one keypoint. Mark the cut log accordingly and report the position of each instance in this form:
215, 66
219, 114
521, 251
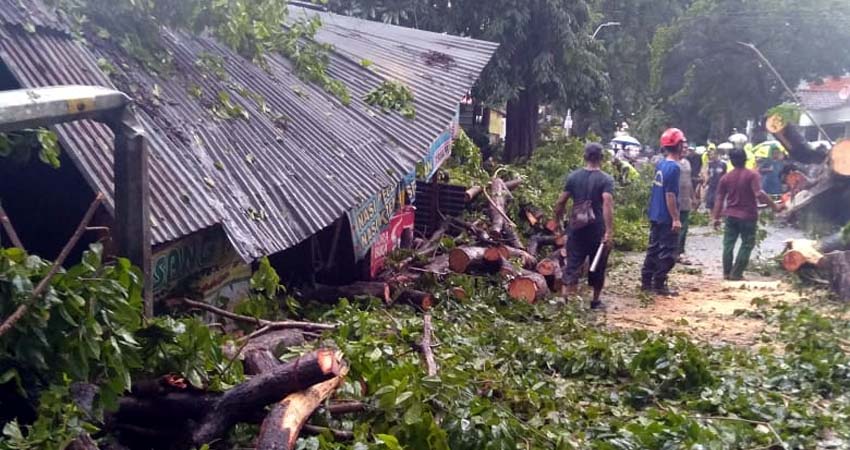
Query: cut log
499, 194
561, 241
838, 264
494, 255
548, 267
533, 215
332, 294
797, 146
799, 253
513, 184
473, 192
459, 293
282, 426
462, 258
528, 287
294, 376
468, 259
528, 261
417, 299
839, 158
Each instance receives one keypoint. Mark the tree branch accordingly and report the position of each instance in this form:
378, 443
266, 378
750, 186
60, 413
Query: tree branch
10, 230
265, 325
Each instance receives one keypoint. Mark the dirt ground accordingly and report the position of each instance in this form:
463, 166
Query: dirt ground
708, 307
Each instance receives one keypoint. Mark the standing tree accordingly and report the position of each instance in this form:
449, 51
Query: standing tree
628, 55
546, 54
708, 83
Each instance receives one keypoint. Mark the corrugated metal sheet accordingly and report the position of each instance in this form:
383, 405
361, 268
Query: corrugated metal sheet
438, 68
299, 162
28, 14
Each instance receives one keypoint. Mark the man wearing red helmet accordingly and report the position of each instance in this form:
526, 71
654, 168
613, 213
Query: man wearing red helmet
664, 216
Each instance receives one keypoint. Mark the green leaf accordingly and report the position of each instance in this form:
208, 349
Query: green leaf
8, 376
389, 441
403, 397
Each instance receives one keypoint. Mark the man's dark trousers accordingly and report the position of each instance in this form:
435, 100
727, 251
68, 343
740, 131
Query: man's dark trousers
746, 229
661, 255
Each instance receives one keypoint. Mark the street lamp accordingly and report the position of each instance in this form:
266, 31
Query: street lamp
604, 25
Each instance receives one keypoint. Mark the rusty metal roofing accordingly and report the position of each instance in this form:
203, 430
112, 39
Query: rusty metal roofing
291, 159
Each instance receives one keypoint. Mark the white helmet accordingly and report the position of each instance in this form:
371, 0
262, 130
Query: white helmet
739, 140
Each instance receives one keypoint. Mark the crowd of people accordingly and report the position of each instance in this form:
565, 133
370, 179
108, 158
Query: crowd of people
731, 181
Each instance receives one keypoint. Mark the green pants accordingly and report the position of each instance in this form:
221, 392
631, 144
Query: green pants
733, 268
685, 217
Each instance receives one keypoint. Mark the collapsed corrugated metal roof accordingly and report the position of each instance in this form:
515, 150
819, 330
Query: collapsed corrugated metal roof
291, 159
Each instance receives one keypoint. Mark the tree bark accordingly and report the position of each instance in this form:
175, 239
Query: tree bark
522, 119
298, 375
417, 299
282, 426
529, 261
427, 342
797, 146
259, 361
332, 294
467, 259
838, 264
499, 193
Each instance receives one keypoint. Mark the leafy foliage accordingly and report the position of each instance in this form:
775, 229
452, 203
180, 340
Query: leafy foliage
87, 328
392, 96
789, 112
545, 376
19, 146
252, 28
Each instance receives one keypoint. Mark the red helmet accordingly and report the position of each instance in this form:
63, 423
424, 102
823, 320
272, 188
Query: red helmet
672, 137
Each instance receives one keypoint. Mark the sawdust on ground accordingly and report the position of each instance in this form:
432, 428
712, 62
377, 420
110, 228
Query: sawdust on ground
708, 308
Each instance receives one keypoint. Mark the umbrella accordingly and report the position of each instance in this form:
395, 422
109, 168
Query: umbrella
626, 140
765, 149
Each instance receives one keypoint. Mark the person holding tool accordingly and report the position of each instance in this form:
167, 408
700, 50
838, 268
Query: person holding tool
665, 222
740, 192
591, 223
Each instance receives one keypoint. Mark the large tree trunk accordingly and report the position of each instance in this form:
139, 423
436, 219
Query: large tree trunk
282, 426
264, 389
523, 115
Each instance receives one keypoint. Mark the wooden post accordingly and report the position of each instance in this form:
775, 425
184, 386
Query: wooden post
132, 193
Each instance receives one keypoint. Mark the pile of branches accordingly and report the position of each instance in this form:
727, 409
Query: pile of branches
528, 258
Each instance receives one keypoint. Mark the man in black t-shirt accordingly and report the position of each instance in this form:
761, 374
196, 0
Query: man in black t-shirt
591, 189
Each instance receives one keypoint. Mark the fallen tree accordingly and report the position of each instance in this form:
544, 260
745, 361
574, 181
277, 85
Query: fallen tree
802, 252
281, 428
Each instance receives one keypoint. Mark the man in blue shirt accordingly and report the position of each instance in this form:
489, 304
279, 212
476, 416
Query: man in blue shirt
664, 216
